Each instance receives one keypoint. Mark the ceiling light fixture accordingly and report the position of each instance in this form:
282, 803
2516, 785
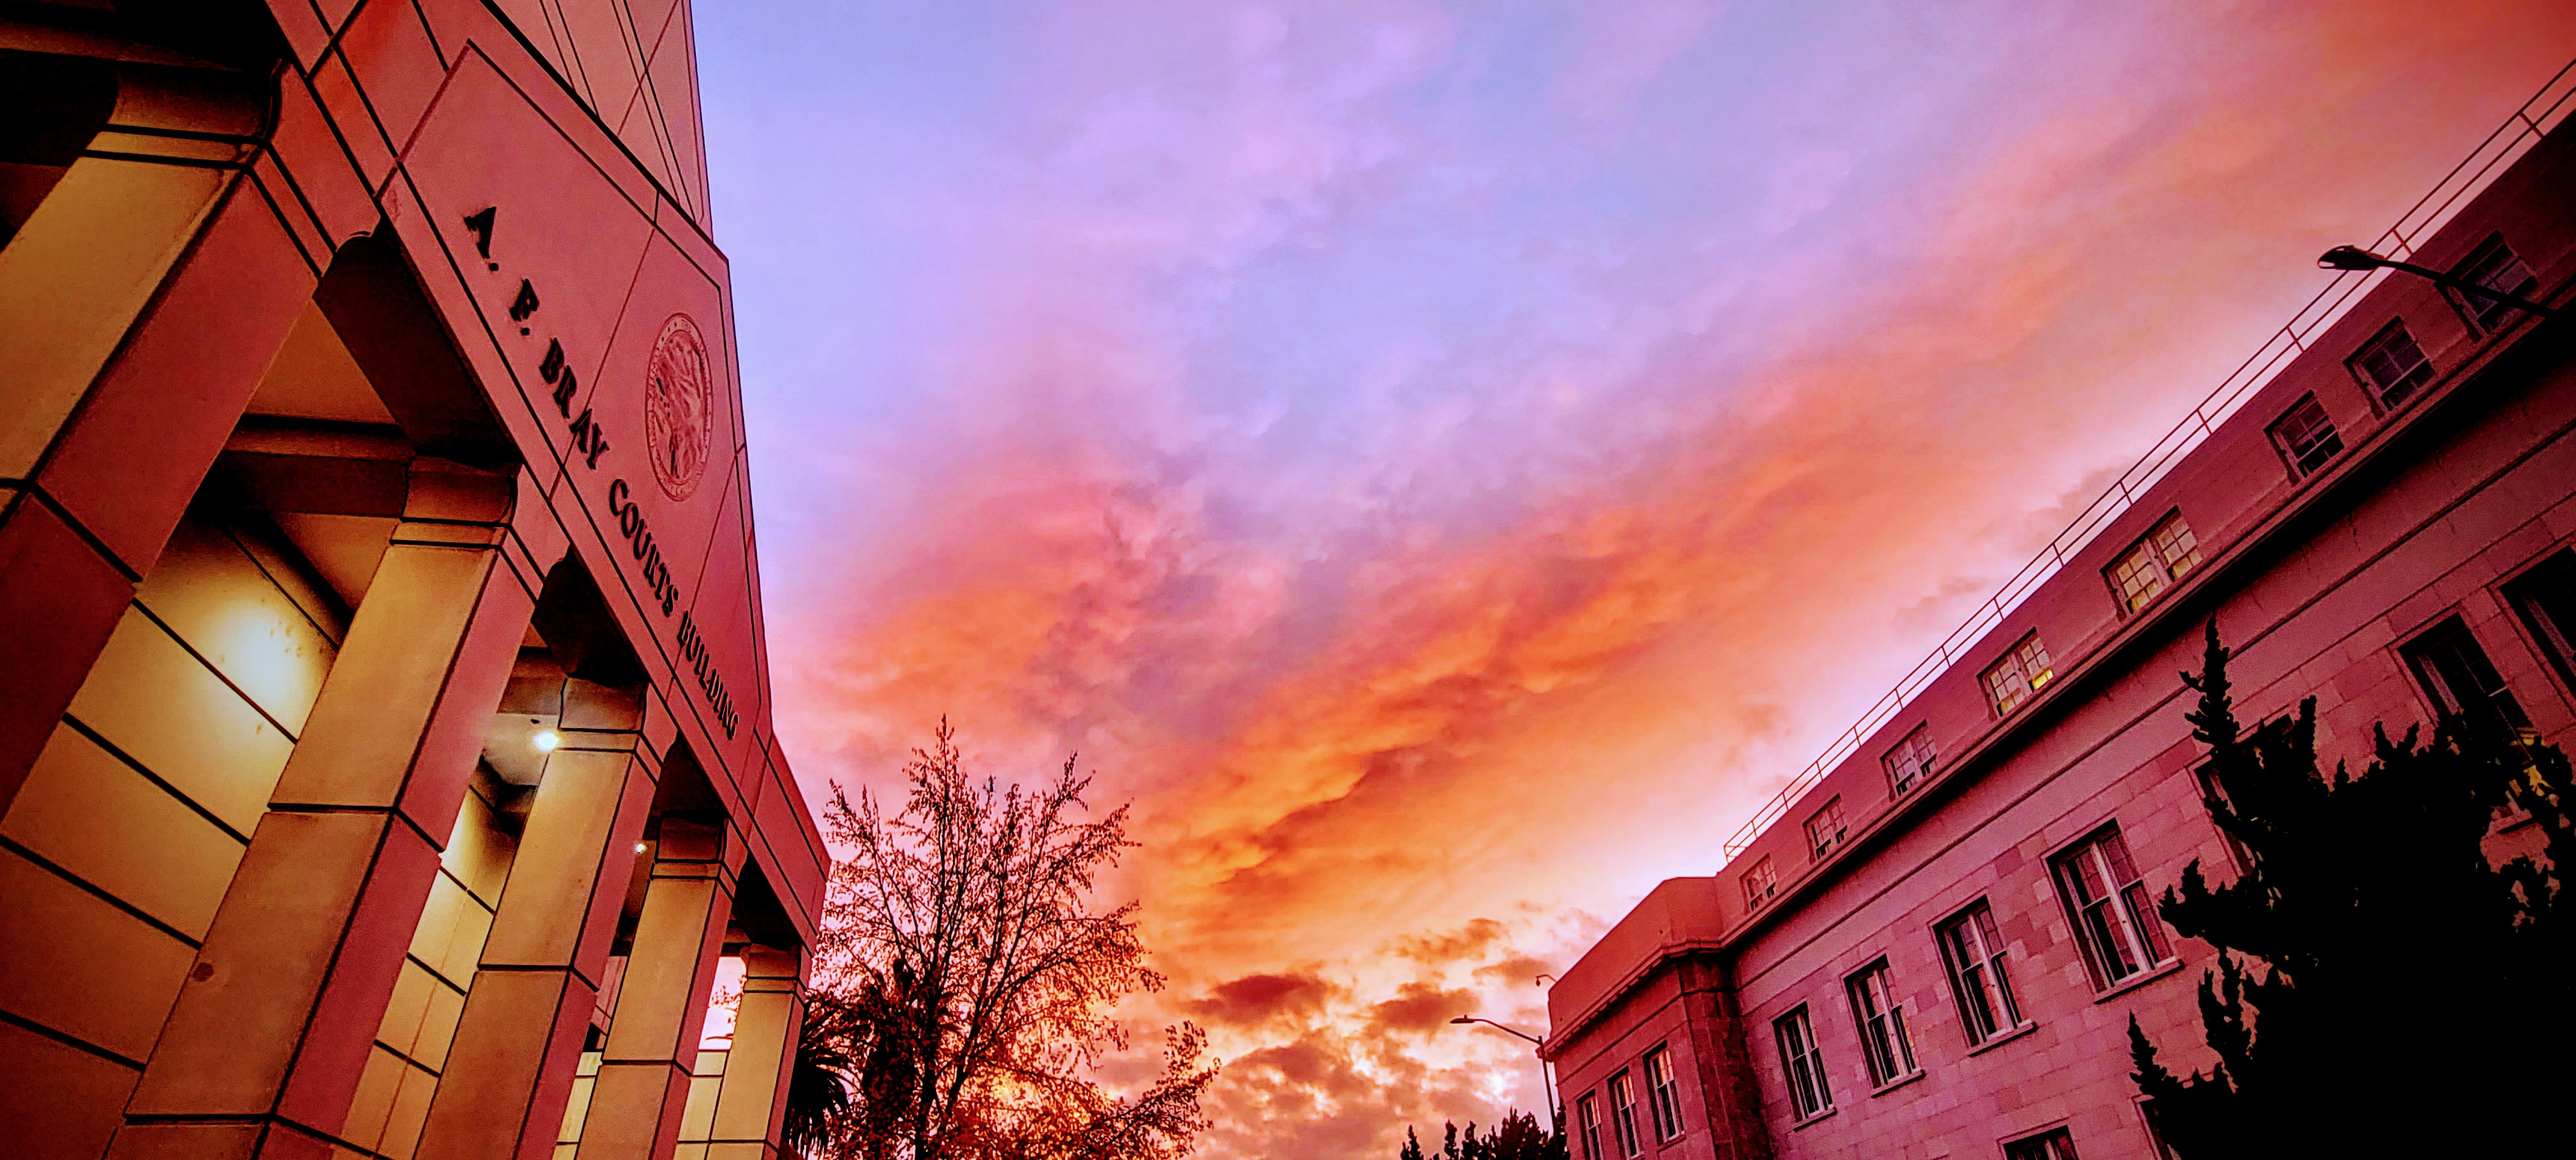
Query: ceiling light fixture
546, 740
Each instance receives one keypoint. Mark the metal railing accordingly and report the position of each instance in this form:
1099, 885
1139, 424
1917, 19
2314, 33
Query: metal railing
2543, 113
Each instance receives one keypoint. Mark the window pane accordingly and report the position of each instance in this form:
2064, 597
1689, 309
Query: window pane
2034, 661
1825, 830
2052, 1145
2495, 265
2021, 672
2392, 365
2137, 577
2142, 915
2546, 598
2178, 549
2114, 912
1759, 883
1801, 1065
2456, 672
1911, 761
2307, 437
1973, 953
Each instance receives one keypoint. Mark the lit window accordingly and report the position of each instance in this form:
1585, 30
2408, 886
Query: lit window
1623, 1114
2456, 672
2159, 559
2392, 366
1803, 1066
2306, 437
2114, 915
1825, 831
2546, 598
1882, 1025
1664, 1094
1973, 953
2022, 672
1760, 884
1911, 761
2054, 1144
2495, 266
1587, 1112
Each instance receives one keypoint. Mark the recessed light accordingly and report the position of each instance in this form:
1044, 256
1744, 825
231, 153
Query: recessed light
546, 740
639, 847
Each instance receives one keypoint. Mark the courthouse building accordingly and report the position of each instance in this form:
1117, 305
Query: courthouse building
385, 754
1930, 945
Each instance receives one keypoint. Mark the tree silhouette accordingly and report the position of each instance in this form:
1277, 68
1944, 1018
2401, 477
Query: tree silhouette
962, 983
1519, 1138
2382, 987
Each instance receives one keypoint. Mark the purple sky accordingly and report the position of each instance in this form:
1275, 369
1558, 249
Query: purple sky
1447, 464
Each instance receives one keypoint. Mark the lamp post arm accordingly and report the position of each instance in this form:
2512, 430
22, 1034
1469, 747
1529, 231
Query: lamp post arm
1535, 1040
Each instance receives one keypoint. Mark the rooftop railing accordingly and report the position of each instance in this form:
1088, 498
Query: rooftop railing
2543, 113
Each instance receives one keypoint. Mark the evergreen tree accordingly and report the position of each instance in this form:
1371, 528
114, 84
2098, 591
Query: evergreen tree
2382, 988
1519, 1138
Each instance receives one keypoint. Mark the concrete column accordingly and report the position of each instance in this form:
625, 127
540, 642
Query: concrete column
510, 1069
662, 1002
140, 305
264, 1047
753, 1101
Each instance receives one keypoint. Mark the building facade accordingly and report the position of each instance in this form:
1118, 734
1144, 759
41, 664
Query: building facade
385, 755
1932, 943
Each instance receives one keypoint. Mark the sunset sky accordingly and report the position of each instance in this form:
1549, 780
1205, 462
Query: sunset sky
1447, 464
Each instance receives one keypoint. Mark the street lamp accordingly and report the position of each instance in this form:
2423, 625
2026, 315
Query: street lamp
1545, 1084
2356, 258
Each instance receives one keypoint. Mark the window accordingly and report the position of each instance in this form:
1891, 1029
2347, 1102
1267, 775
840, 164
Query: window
2053, 1144
1664, 1094
2456, 673
2391, 366
1910, 763
1974, 955
2495, 266
1587, 1112
1802, 1065
1825, 831
2213, 793
2115, 916
2306, 437
2166, 554
2546, 598
1760, 884
2155, 1130
1623, 1113
1882, 1025
2022, 672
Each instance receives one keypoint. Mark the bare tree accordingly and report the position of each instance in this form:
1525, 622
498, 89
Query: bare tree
963, 984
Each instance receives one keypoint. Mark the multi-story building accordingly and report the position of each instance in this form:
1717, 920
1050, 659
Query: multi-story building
385, 756
1930, 945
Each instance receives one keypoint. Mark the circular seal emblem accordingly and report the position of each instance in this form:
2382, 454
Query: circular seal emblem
679, 408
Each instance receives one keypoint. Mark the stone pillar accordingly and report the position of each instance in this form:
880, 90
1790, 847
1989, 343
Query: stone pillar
510, 1069
643, 1081
264, 1047
139, 306
753, 1101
